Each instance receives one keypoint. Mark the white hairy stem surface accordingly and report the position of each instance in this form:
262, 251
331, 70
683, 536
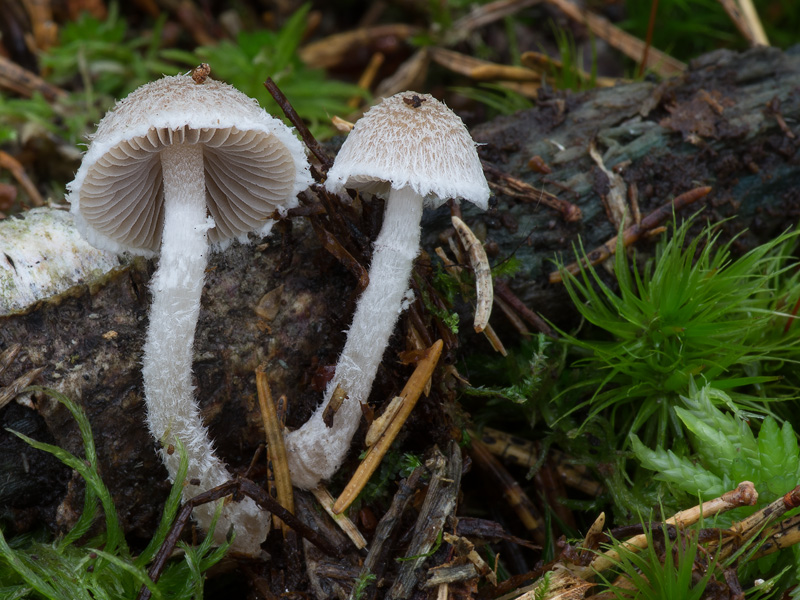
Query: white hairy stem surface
316, 451
176, 287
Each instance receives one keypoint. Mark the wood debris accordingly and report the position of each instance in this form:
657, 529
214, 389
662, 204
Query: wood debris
480, 267
276, 450
344, 522
440, 503
633, 233
410, 394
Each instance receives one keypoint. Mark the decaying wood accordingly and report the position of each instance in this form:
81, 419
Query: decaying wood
410, 394
526, 454
712, 126
68, 337
344, 522
378, 558
439, 504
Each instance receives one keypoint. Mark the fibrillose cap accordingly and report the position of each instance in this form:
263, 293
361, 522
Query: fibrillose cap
253, 164
411, 140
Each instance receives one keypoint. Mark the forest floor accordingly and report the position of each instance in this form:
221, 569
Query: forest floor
649, 397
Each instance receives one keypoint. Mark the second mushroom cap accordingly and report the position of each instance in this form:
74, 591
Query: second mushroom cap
411, 140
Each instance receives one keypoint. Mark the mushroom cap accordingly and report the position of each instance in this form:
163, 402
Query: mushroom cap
411, 140
253, 164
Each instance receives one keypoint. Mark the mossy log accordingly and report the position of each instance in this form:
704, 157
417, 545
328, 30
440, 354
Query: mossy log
731, 122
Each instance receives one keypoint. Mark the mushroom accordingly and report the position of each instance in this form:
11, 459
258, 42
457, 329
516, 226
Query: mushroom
175, 168
411, 150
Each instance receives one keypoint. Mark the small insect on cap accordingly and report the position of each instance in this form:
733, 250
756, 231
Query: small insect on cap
411, 140
252, 162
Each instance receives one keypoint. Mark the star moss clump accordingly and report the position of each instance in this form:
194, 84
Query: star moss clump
692, 311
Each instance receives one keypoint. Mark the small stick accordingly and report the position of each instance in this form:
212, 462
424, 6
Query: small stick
380, 423
332, 50
325, 499
504, 292
492, 72
545, 65
774, 109
465, 547
194, 21
275, 445
784, 534
495, 341
651, 24
310, 141
236, 486
438, 507
525, 191
483, 15
25, 83
12, 164
661, 63
754, 22
526, 454
464, 64
335, 247
342, 125
8, 393
333, 406
489, 332
744, 495
755, 523
483, 274
511, 491
633, 233
367, 77
8, 356
512, 316
411, 392
377, 557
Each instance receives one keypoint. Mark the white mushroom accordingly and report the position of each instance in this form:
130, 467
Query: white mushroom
412, 150
177, 166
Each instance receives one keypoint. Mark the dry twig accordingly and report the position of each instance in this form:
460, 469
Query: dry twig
439, 504
632, 47
511, 491
275, 446
237, 486
526, 454
480, 267
325, 499
13, 165
632, 234
410, 394
516, 188
377, 559
25, 83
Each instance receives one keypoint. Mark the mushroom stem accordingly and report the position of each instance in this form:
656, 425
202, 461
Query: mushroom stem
176, 287
316, 451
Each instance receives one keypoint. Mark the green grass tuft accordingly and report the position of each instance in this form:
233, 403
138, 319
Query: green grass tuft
693, 311
102, 567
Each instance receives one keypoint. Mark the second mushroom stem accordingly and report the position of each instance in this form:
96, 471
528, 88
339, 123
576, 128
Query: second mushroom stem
315, 451
176, 287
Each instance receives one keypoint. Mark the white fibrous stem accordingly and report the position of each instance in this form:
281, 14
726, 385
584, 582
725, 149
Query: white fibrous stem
315, 451
172, 411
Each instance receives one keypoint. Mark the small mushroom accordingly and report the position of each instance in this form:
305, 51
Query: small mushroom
411, 150
175, 168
